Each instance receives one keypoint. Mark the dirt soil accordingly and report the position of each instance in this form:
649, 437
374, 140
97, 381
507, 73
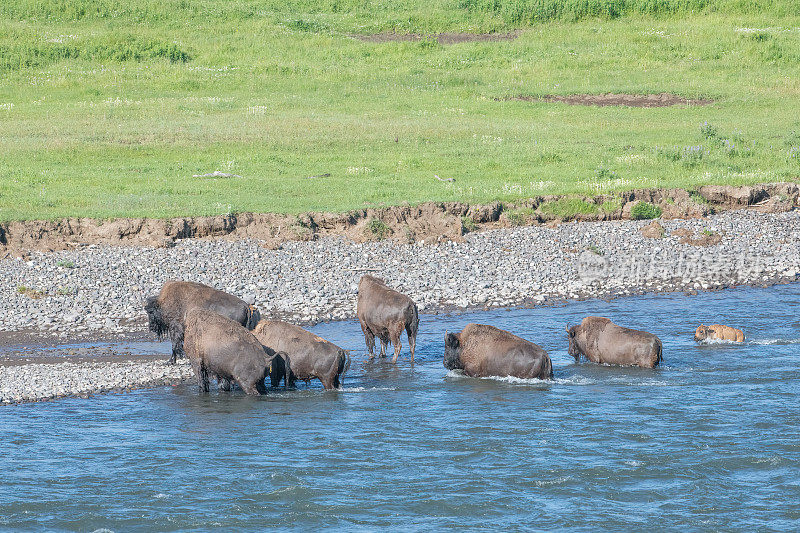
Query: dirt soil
612, 99
442, 38
429, 222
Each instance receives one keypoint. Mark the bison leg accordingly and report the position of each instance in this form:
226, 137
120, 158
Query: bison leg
327, 383
224, 384
395, 335
202, 378
256, 388
176, 336
369, 338
412, 340
384, 342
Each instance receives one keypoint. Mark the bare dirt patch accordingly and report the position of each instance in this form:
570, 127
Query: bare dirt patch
616, 99
441, 38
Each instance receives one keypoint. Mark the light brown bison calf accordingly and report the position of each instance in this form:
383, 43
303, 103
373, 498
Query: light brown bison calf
718, 332
385, 313
482, 351
602, 341
221, 348
311, 355
166, 312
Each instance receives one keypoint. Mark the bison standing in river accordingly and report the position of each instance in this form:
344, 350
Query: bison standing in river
311, 355
166, 312
602, 341
221, 348
385, 313
482, 351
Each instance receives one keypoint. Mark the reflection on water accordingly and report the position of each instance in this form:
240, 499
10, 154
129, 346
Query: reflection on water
711, 440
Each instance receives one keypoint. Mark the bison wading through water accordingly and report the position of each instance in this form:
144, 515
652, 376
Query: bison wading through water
602, 341
222, 348
718, 332
311, 355
483, 351
385, 313
166, 312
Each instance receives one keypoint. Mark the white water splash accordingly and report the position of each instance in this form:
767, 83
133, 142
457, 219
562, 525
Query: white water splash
365, 389
773, 342
708, 342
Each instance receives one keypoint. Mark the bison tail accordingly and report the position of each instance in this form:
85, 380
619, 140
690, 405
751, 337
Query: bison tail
416, 319
253, 317
343, 365
659, 358
548, 369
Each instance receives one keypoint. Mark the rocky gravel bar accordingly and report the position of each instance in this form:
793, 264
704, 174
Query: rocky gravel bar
99, 290
38, 382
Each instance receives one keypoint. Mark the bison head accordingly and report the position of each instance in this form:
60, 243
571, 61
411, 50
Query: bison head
452, 351
701, 333
573, 348
155, 317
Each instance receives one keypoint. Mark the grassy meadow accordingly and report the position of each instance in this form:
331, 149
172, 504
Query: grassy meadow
108, 108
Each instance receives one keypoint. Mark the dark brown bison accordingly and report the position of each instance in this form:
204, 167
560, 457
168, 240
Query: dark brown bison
165, 312
311, 356
385, 313
602, 341
482, 351
221, 348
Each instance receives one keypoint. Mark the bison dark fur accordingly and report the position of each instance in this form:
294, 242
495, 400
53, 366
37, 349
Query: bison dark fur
221, 348
166, 312
482, 351
311, 356
385, 313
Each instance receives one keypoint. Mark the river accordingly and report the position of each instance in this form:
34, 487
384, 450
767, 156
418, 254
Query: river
708, 441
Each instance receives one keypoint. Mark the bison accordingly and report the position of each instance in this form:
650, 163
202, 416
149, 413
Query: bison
311, 356
482, 351
602, 341
718, 332
222, 348
385, 313
165, 312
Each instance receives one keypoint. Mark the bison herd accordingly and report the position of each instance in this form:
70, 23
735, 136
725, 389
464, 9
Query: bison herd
225, 339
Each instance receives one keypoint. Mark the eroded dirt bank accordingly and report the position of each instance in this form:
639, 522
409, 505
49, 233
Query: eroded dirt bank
428, 222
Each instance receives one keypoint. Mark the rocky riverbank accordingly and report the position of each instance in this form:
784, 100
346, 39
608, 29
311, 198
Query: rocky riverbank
38, 382
100, 289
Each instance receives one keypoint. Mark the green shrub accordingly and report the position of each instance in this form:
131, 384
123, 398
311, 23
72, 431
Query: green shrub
377, 228
468, 224
645, 211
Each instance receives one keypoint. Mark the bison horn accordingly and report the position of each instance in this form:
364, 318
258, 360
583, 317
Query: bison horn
567, 328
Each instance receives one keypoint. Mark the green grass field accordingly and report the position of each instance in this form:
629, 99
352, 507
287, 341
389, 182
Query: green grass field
108, 108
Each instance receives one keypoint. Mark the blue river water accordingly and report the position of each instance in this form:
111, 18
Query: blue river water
708, 441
